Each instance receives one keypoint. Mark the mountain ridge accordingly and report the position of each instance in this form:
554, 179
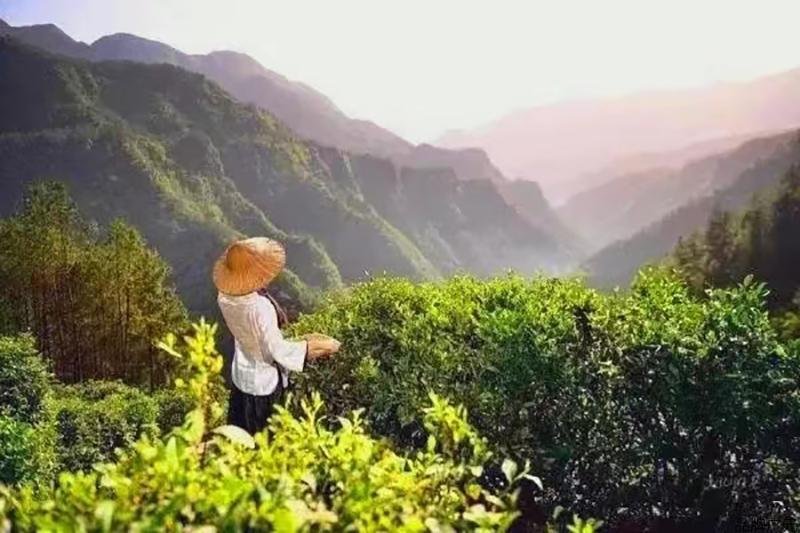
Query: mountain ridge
305, 110
618, 209
192, 169
615, 264
558, 143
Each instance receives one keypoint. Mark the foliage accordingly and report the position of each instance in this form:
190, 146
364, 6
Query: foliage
301, 477
644, 407
94, 419
24, 379
754, 168
94, 303
27, 438
760, 241
27, 453
47, 427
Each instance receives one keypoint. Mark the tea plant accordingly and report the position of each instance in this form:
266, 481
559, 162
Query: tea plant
304, 476
654, 406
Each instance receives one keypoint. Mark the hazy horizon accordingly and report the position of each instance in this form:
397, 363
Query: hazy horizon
422, 69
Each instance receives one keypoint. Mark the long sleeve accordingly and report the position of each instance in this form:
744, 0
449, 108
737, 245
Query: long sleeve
289, 354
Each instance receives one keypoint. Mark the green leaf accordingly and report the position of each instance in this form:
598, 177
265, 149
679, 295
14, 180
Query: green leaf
237, 435
509, 468
536, 480
104, 513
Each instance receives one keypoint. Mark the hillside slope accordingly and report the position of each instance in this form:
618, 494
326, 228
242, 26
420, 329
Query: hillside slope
620, 208
616, 264
193, 169
304, 110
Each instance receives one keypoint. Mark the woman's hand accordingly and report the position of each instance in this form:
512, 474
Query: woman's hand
320, 346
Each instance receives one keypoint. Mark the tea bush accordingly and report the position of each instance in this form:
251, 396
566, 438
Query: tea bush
27, 439
650, 407
301, 477
26, 455
24, 379
48, 427
95, 418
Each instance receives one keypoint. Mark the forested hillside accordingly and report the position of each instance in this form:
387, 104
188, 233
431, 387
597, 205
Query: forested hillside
191, 168
622, 207
616, 264
304, 110
762, 241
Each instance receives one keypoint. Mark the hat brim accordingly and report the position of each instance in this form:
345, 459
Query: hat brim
268, 259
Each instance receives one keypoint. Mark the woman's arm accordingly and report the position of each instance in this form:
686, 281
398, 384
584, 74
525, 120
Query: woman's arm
289, 354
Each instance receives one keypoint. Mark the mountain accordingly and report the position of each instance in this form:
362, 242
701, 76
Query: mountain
760, 241
620, 208
647, 161
556, 144
192, 169
467, 164
528, 199
305, 111
616, 264
47, 37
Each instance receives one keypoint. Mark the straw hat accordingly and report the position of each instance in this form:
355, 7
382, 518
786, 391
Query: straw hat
248, 265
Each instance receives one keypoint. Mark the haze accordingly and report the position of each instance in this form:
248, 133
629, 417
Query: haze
420, 68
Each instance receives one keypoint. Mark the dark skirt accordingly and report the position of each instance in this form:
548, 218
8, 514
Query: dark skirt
250, 412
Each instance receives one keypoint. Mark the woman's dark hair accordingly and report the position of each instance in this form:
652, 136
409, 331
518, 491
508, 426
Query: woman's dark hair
283, 319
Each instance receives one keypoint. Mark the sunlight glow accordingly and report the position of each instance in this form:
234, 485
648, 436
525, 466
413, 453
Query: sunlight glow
420, 67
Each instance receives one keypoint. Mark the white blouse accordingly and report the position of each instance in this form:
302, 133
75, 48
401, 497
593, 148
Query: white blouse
259, 344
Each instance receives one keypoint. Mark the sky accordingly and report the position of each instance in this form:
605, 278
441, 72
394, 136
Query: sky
422, 67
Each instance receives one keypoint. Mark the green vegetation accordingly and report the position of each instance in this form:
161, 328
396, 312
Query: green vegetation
302, 477
761, 241
94, 419
730, 181
192, 169
645, 408
47, 427
94, 302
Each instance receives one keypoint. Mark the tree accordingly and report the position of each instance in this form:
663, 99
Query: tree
94, 301
720, 247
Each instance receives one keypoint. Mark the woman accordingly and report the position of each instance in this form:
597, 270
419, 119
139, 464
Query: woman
262, 357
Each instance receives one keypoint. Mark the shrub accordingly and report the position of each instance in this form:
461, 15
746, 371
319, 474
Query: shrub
16, 441
26, 452
649, 406
173, 406
24, 379
96, 418
304, 476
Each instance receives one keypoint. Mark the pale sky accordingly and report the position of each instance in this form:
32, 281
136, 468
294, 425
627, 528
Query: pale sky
420, 67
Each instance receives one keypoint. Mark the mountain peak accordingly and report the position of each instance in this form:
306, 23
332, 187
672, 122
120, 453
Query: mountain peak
48, 37
122, 46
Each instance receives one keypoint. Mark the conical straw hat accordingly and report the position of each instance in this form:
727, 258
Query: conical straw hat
248, 265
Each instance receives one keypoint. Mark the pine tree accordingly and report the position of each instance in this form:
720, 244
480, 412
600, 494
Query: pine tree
95, 303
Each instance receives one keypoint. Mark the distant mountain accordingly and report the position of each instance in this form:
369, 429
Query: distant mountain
616, 264
307, 112
620, 208
192, 168
558, 143
528, 199
646, 161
